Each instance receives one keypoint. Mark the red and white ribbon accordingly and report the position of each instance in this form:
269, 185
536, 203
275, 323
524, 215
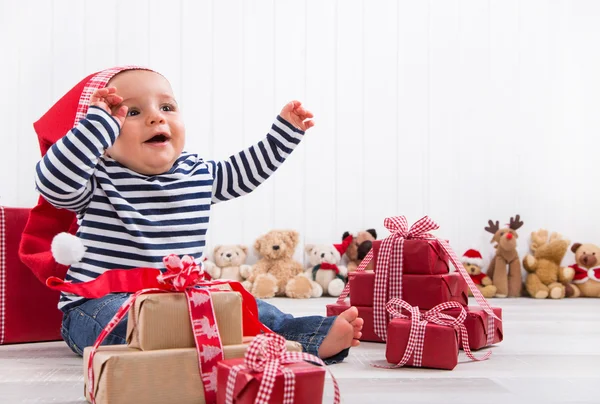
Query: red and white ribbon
267, 354
388, 273
418, 327
182, 275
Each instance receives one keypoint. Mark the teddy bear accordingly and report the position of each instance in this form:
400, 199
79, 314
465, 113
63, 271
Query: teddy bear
545, 277
473, 263
229, 263
325, 268
359, 247
276, 273
586, 281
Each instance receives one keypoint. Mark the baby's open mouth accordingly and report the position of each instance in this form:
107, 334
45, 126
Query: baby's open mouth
157, 138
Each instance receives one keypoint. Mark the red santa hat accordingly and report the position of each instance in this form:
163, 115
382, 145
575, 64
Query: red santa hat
45, 221
472, 257
344, 246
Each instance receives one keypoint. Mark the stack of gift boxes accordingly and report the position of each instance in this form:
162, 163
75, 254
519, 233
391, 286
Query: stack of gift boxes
160, 362
426, 282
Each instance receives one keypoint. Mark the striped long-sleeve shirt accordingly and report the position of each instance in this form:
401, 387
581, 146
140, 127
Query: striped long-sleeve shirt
130, 220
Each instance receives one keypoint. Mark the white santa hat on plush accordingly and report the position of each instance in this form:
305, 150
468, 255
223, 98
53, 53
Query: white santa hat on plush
472, 256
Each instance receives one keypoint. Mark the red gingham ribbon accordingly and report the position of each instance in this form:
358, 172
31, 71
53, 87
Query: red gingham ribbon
416, 338
182, 275
389, 267
98, 81
267, 354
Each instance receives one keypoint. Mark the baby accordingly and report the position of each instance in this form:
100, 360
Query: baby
138, 197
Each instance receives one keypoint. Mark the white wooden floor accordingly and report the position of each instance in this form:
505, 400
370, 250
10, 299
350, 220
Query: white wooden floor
551, 354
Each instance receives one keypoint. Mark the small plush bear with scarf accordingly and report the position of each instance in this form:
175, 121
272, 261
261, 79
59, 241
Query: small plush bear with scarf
325, 268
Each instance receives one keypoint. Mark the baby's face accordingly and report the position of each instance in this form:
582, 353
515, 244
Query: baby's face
153, 134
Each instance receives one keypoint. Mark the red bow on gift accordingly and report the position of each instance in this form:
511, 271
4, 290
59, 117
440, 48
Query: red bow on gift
416, 338
182, 275
388, 273
267, 354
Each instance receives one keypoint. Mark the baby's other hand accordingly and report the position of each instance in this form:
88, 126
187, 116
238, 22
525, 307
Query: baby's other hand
107, 98
294, 113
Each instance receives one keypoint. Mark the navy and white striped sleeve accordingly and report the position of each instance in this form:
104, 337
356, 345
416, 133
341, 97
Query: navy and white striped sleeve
62, 176
243, 172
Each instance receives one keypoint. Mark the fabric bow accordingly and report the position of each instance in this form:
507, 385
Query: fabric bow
267, 354
418, 326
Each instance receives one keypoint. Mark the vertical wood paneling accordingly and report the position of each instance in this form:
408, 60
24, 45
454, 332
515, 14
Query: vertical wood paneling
445, 92
350, 171
227, 220
464, 110
321, 141
413, 112
258, 110
34, 92
380, 108
132, 32
164, 40
9, 105
100, 35
473, 119
290, 84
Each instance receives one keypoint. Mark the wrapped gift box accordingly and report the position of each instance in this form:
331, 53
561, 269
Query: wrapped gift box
440, 345
28, 309
127, 375
420, 257
365, 312
476, 324
425, 291
308, 387
162, 321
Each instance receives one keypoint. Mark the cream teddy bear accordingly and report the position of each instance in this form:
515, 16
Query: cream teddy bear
325, 268
229, 263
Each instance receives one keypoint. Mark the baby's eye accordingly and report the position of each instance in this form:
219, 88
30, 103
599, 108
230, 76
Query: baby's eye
167, 108
133, 112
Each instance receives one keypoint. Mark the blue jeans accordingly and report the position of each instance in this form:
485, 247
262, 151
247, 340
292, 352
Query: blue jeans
82, 324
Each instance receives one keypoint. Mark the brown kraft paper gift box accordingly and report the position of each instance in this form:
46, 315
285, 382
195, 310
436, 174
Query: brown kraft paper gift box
425, 291
125, 375
162, 321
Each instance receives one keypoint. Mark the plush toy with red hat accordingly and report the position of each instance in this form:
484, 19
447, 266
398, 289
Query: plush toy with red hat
45, 221
473, 263
324, 266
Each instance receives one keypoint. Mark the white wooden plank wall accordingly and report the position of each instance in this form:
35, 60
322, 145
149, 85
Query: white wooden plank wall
461, 109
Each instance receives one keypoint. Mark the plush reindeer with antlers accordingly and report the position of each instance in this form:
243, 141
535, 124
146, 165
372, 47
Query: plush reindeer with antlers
508, 281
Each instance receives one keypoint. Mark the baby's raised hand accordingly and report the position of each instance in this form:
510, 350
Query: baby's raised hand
294, 113
107, 98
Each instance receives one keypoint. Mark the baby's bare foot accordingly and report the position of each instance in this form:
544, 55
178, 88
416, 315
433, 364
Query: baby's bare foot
344, 333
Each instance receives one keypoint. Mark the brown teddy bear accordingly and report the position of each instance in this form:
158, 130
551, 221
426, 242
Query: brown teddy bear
546, 278
359, 247
473, 263
276, 273
229, 263
586, 281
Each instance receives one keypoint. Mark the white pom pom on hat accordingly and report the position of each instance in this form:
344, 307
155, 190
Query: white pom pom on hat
67, 249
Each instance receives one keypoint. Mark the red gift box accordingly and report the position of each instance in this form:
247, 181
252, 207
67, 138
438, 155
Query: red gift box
425, 291
419, 257
308, 388
476, 324
364, 312
426, 339
28, 309
440, 346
